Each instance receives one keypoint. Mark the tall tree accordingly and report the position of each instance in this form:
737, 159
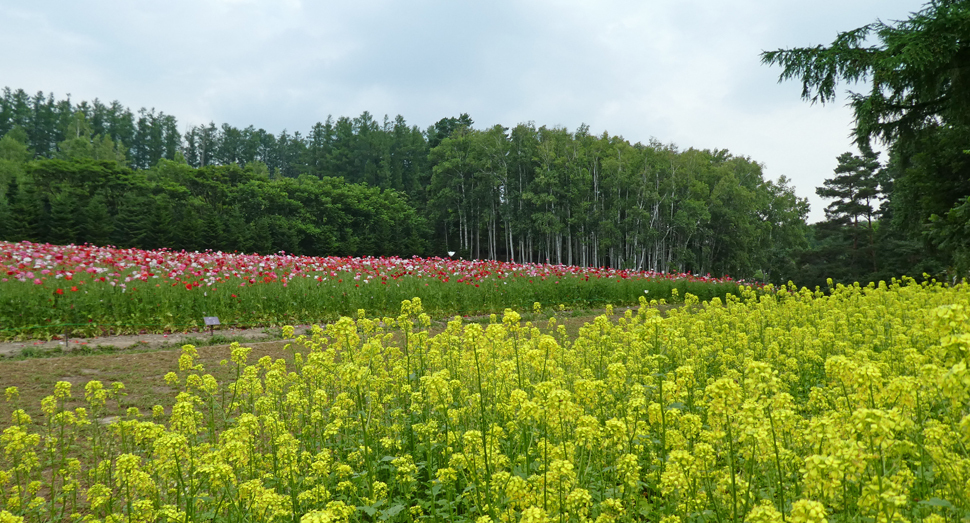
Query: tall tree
64, 219
6, 215
918, 103
787, 231
79, 142
13, 156
98, 224
456, 160
319, 143
28, 207
855, 192
917, 72
133, 222
444, 127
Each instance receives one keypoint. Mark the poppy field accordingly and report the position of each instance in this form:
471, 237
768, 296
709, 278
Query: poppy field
46, 289
783, 405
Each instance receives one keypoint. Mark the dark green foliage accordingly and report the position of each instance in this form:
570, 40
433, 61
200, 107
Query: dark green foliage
162, 231
64, 216
6, 216
918, 104
239, 233
98, 226
262, 236
853, 213
917, 73
133, 221
28, 211
189, 231
446, 126
216, 207
213, 231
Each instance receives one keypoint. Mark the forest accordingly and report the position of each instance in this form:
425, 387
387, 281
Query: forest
99, 173
76, 172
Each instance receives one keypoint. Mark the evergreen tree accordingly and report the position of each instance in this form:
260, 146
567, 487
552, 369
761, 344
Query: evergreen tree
189, 230
855, 191
161, 233
98, 223
6, 215
918, 103
27, 209
262, 236
445, 127
133, 222
319, 142
63, 224
214, 232
13, 155
239, 234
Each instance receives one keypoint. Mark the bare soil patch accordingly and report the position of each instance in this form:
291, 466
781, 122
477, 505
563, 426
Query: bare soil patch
140, 341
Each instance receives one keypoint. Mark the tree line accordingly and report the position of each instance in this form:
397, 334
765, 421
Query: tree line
228, 208
526, 194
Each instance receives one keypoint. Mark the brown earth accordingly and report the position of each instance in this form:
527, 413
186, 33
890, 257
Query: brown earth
41, 347
140, 341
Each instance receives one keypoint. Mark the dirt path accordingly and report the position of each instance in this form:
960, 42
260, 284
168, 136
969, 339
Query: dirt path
141, 341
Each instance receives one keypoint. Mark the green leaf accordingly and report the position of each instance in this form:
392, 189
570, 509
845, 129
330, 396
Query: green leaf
391, 512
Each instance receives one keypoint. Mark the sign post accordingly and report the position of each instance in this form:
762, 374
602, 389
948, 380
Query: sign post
211, 322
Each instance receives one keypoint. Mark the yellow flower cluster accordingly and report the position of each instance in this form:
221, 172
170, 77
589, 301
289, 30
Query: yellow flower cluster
781, 405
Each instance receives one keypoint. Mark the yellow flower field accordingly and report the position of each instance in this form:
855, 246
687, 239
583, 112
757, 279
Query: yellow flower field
779, 406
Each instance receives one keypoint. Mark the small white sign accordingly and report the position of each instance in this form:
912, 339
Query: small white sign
211, 320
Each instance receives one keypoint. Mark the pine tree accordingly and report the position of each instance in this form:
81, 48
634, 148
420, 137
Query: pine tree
63, 226
262, 237
189, 231
917, 104
98, 224
6, 217
856, 191
239, 234
133, 221
27, 211
161, 233
213, 232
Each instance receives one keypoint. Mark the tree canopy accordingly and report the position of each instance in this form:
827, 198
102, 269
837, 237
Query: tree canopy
917, 103
917, 71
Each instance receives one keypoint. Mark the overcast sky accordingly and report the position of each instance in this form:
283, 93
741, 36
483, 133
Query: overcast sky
686, 72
